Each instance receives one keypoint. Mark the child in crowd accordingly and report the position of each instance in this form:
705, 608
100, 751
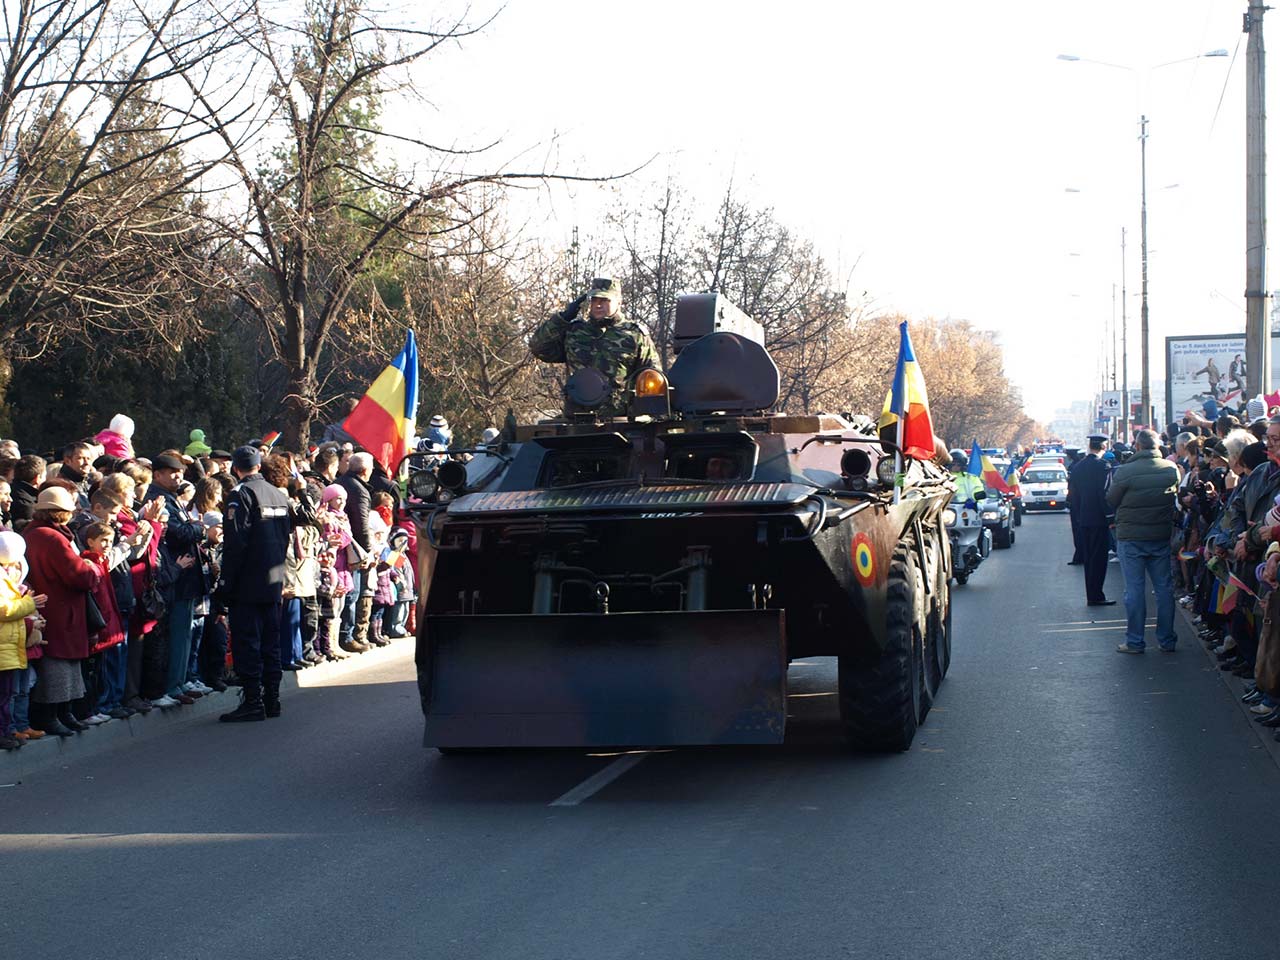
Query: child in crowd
381, 581
332, 586
397, 557
108, 644
16, 605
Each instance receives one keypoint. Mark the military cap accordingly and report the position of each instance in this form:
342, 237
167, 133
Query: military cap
606, 288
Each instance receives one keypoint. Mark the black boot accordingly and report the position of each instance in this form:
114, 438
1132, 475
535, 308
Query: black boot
69, 720
271, 701
43, 718
250, 706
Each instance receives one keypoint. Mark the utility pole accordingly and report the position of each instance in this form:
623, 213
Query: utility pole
1146, 325
1257, 339
1124, 339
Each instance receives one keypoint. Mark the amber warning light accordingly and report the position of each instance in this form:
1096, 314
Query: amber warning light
650, 383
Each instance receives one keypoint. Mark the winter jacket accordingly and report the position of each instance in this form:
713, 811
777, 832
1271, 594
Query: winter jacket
357, 508
105, 596
1143, 491
14, 607
115, 445
24, 504
56, 570
181, 537
300, 565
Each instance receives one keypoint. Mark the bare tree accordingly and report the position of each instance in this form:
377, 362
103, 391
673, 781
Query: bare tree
326, 209
99, 158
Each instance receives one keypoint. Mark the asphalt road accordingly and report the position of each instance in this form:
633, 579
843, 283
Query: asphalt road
1061, 801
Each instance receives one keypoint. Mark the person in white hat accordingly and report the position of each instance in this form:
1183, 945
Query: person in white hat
57, 571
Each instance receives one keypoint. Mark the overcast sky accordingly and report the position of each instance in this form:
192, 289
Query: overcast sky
940, 146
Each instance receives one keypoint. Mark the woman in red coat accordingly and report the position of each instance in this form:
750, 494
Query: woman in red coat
58, 571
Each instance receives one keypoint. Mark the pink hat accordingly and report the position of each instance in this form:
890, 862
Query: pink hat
332, 491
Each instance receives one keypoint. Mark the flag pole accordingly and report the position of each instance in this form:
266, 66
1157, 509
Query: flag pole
898, 464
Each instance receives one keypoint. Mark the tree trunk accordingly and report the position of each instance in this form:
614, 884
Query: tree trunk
299, 410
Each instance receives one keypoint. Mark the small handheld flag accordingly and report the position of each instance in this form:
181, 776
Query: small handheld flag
384, 421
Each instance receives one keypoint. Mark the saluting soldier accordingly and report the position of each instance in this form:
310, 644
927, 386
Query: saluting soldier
1089, 483
256, 529
605, 339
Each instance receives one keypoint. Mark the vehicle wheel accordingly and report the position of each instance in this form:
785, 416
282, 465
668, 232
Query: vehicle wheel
1001, 538
1013, 537
883, 702
942, 649
937, 600
1017, 517
962, 578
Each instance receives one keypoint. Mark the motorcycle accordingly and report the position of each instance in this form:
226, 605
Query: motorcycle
970, 539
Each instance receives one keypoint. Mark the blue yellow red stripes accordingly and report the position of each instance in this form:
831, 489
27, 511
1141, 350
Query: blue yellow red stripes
385, 419
907, 403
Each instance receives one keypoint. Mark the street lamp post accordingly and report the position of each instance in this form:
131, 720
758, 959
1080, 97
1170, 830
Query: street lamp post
1142, 139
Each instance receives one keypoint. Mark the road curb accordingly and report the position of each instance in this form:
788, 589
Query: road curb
47, 752
1235, 686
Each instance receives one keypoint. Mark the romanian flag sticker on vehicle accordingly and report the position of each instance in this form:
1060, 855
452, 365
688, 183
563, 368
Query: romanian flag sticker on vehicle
864, 559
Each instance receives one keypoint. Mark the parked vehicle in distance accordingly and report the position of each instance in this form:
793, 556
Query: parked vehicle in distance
1044, 487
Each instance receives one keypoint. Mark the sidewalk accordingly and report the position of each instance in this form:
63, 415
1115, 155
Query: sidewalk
1235, 686
60, 751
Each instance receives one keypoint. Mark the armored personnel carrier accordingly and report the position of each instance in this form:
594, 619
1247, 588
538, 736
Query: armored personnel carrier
646, 580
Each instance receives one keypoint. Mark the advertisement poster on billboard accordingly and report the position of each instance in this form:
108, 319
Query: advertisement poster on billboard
1201, 368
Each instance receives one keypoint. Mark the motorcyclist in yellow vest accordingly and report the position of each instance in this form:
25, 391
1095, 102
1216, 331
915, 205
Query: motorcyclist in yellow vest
966, 483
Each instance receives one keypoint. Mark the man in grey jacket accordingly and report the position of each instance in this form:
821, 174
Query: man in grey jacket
1142, 493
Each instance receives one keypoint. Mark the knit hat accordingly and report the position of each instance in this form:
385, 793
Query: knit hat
1255, 408
197, 434
440, 422
122, 425
12, 547
376, 524
490, 434
212, 519
331, 492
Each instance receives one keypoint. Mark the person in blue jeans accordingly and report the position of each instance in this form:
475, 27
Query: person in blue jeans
1143, 492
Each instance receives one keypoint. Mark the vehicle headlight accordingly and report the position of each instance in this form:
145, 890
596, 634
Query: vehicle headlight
948, 516
990, 515
423, 485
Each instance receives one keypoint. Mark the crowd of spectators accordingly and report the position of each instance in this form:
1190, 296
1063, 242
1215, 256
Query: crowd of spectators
109, 566
1227, 536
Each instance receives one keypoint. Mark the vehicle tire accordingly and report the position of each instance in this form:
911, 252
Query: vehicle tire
883, 702
1001, 538
1017, 516
1013, 537
942, 649
938, 601
962, 578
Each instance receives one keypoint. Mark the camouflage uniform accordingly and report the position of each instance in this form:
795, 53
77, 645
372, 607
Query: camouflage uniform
618, 348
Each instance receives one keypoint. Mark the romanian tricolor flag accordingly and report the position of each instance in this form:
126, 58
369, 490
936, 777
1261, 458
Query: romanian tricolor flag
906, 405
384, 421
269, 439
980, 465
1222, 597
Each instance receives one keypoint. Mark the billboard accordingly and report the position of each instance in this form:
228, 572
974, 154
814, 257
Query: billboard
1207, 367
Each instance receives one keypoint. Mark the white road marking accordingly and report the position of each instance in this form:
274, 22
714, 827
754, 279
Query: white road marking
599, 780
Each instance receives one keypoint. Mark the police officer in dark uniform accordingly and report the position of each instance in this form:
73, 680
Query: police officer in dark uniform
1089, 481
256, 529
1077, 549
